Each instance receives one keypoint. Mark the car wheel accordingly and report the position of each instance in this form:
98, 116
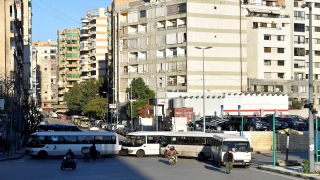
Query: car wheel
202, 157
42, 155
165, 155
140, 153
231, 128
251, 128
62, 167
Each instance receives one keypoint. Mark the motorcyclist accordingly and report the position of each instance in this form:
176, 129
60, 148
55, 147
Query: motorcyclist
93, 152
69, 156
172, 152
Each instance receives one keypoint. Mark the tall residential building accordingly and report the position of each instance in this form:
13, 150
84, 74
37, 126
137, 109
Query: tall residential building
68, 63
46, 75
284, 57
15, 38
94, 44
158, 41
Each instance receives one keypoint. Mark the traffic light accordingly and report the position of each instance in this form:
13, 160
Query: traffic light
310, 107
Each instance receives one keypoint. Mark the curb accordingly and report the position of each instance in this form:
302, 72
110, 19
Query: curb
13, 158
289, 173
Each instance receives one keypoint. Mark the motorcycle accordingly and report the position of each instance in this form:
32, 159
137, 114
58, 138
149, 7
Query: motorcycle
67, 162
172, 159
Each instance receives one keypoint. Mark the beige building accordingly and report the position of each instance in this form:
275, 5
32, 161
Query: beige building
68, 64
15, 40
46, 75
157, 41
94, 44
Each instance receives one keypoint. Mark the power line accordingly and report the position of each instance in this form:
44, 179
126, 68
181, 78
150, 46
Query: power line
50, 13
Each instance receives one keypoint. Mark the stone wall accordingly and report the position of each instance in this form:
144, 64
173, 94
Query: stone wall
261, 141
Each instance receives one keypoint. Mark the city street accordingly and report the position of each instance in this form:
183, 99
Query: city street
155, 168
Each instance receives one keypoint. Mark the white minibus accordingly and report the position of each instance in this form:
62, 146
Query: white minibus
43, 144
142, 143
188, 144
240, 146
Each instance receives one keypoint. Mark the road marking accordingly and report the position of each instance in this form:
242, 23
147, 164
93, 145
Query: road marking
282, 175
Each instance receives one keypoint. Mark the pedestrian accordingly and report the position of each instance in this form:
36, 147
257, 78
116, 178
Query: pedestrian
228, 160
1, 144
93, 151
7, 146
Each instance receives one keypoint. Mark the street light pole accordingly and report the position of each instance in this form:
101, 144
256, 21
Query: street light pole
131, 104
311, 125
203, 87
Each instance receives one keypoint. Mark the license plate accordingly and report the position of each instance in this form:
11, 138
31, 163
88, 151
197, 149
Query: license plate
264, 127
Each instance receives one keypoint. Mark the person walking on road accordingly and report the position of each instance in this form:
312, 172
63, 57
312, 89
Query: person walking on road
93, 152
228, 160
7, 146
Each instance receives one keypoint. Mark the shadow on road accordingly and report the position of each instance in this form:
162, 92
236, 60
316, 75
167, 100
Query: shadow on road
163, 161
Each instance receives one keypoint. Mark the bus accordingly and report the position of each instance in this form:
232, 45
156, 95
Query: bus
240, 146
50, 143
57, 127
141, 143
188, 144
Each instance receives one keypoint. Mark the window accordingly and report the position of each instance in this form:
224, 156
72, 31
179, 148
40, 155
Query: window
303, 89
299, 39
317, 64
307, 64
317, 29
139, 141
280, 37
299, 15
273, 25
307, 16
283, 24
316, 41
307, 40
317, 17
143, 13
255, 25
317, 53
281, 75
299, 52
280, 63
307, 28
267, 62
267, 75
317, 5
299, 63
299, 27
263, 24
267, 49
153, 139
295, 4
280, 50
267, 37
307, 52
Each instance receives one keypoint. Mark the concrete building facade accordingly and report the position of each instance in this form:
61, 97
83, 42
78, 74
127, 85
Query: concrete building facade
46, 75
94, 44
68, 64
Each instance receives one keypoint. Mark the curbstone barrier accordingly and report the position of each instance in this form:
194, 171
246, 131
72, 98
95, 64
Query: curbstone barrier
290, 173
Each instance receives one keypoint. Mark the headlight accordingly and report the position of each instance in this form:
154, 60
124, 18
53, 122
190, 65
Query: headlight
258, 124
295, 124
278, 124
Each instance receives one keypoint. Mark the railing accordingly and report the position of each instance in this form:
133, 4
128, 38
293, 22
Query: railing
172, 27
182, 25
161, 29
259, 27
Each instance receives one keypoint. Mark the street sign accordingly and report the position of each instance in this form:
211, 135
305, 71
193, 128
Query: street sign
112, 106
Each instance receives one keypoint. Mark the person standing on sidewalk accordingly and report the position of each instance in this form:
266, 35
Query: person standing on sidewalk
1, 144
7, 146
228, 160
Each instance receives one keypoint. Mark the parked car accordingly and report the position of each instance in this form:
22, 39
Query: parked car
93, 128
300, 118
253, 123
294, 123
278, 124
235, 122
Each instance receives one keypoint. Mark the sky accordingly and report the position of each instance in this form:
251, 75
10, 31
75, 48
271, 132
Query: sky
52, 15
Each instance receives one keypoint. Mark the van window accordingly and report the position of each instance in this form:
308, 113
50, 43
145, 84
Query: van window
139, 141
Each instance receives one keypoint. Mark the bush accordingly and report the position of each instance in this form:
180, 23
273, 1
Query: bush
305, 166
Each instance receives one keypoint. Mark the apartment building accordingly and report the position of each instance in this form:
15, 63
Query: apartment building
68, 64
94, 44
15, 38
160, 41
45, 76
286, 68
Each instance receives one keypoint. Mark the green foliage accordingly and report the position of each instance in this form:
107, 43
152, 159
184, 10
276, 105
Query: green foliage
295, 104
305, 166
97, 107
80, 94
141, 93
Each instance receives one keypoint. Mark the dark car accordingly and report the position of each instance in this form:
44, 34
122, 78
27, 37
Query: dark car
300, 118
235, 122
253, 123
294, 123
278, 124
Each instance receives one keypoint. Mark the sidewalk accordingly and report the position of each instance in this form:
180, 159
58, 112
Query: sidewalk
295, 171
15, 155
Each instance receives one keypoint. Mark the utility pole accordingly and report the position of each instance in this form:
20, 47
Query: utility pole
315, 102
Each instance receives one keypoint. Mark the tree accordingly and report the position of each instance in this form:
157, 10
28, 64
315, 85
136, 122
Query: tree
73, 97
97, 107
144, 111
295, 104
141, 93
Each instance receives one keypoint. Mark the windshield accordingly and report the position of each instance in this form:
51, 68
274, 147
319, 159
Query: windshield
240, 146
166, 140
36, 141
253, 120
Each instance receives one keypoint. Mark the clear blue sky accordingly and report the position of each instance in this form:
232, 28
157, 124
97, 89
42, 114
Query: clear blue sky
52, 15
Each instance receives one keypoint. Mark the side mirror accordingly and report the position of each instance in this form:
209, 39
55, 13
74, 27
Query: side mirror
251, 149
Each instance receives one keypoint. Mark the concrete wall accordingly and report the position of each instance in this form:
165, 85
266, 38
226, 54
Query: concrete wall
262, 141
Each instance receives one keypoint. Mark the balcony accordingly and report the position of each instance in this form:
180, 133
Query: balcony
85, 77
72, 65
82, 56
84, 70
84, 35
84, 48
84, 27
84, 20
93, 68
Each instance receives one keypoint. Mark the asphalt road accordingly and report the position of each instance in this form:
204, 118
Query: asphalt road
123, 167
